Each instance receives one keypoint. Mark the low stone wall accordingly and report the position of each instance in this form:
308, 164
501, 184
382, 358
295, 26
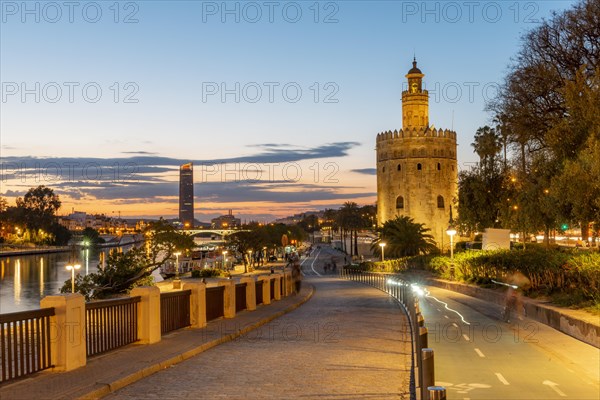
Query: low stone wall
586, 328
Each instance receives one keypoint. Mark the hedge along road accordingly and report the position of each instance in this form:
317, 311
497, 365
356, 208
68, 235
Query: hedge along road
348, 341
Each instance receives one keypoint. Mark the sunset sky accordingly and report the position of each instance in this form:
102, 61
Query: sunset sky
277, 104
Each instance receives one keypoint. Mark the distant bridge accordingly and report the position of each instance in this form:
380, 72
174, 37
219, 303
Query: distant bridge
220, 232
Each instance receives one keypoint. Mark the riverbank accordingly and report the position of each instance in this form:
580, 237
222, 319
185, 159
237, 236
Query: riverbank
34, 250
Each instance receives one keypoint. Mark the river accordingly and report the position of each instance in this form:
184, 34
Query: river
25, 280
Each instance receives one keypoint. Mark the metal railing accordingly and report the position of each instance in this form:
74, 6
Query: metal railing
174, 310
110, 324
25, 343
215, 302
240, 297
259, 292
422, 356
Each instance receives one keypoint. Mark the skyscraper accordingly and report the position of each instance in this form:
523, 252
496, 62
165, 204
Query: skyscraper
186, 196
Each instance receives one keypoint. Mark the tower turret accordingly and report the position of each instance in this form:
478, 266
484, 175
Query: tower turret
415, 100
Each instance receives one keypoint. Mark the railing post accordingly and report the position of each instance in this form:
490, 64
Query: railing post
277, 286
421, 344
68, 341
148, 313
228, 297
427, 372
437, 392
266, 288
250, 293
197, 303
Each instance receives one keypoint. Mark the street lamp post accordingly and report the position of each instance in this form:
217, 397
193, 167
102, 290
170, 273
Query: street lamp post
250, 258
382, 245
225, 259
451, 231
72, 268
177, 264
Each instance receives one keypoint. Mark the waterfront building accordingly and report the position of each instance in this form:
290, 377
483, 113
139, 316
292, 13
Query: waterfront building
227, 221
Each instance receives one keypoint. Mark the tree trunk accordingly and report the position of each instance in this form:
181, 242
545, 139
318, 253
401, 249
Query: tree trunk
351, 243
585, 230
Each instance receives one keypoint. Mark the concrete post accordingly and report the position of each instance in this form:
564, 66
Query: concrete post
67, 343
250, 293
277, 286
148, 314
266, 288
427, 372
197, 303
228, 298
420, 345
437, 393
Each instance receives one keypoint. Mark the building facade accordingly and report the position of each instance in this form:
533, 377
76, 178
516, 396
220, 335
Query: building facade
416, 165
228, 221
186, 195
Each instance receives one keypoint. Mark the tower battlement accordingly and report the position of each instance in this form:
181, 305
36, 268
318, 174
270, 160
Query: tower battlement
416, 133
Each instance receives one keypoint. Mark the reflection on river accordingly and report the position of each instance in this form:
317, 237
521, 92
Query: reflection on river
24, 280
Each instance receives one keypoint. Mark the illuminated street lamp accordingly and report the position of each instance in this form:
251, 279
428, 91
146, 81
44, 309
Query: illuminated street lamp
382, 245
451, 231
72, 268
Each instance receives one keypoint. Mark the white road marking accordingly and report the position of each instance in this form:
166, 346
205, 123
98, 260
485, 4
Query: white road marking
501, 378
466, 338
312, 265
480, 354
554, 385
454, 325
445, 316
439, 310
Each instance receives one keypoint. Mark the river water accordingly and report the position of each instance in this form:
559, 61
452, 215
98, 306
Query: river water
25, 280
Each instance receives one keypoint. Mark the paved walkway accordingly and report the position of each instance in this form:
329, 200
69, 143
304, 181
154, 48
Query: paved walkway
348, 341
111, 371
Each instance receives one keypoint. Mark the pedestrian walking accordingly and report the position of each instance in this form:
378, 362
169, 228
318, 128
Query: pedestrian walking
297, 276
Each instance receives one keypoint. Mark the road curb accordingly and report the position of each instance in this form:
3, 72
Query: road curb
109, 387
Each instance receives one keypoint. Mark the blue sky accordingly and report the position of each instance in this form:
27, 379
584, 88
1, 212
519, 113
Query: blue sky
137, 96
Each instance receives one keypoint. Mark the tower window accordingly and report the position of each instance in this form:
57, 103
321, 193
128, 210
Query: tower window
439, 166
400, 203
440, 201
383, 169
399, 167
419, 167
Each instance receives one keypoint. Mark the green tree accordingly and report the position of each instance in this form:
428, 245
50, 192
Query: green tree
39, 207
403, 237
125, 270
91, 236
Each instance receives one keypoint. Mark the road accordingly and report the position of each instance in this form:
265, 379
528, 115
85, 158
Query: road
479, 357
348, 341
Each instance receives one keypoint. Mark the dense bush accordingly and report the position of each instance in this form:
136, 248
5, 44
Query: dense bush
547, 270
207, 273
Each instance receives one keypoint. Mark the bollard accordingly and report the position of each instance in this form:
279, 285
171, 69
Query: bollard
437, 393
420, 319
427, 373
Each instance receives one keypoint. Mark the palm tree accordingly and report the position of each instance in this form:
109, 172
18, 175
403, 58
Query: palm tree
404, 237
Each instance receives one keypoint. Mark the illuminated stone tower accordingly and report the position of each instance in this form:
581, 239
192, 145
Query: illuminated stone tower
416, 166
186, 196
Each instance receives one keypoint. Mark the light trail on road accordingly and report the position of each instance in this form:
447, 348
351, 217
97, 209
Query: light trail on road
428, 294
